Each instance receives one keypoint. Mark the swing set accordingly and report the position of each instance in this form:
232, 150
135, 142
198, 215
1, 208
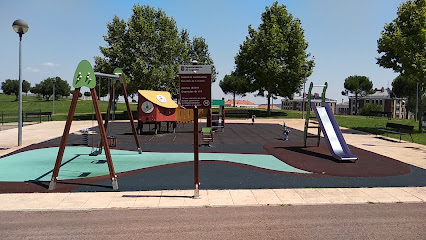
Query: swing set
112, 103
85, 76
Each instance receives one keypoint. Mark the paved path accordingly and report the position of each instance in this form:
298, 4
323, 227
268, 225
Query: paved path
368, 221
36, 133
410, 153
209, 198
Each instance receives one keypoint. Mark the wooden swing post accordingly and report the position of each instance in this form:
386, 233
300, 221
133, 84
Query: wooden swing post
104, 139
132, 122
83, 77
64, 139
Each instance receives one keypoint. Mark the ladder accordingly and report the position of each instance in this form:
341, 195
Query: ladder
308, 115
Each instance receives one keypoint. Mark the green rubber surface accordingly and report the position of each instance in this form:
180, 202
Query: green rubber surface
76, 163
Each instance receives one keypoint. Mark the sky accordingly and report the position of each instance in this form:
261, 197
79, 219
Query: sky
342, 35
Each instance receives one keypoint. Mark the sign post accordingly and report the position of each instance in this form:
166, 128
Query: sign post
195, 93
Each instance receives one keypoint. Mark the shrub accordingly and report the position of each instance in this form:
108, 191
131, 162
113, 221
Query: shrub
368, 109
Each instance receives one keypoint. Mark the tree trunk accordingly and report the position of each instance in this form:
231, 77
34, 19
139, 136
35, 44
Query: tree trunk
420, 110
268, 111
356, 103
234, 99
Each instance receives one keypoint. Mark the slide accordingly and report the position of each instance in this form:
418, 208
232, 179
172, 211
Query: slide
336, 143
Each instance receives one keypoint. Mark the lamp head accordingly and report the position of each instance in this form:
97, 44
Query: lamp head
20, 26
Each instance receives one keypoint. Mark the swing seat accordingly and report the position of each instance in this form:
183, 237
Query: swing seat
112, 141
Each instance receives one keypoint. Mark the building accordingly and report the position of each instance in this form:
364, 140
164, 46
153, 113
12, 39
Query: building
342, 108
383, 98
297, 102
265, 106
240, 104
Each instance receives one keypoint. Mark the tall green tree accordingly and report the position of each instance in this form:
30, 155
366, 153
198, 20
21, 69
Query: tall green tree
235, 85
402, 45
149, 48
359, 86
11, 87
200, 52
45, 88
272, 56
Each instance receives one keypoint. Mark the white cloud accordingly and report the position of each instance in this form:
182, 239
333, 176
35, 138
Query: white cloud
49, 64
31, 69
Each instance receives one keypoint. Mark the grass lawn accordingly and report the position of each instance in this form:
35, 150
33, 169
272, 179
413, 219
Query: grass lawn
371, 124
9, 108
83, 111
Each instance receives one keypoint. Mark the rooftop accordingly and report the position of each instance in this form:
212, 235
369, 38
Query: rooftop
239, 102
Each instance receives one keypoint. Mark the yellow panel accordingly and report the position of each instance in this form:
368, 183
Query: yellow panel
184, 115
187, 115
160, 98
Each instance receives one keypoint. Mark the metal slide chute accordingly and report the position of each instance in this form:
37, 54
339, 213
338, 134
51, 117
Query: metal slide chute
335, 141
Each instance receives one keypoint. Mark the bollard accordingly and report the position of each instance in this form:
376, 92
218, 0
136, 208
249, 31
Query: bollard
286, 132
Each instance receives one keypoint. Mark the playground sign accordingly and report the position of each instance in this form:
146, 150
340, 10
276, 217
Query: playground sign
195, 86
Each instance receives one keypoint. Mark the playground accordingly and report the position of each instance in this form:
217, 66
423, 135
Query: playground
243, 156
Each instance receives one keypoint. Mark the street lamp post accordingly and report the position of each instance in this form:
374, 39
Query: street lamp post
53, 110
20, 27
305, 68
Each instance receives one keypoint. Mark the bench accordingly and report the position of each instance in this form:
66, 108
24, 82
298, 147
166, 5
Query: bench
38, 115
381, 114
239, 113
397, 128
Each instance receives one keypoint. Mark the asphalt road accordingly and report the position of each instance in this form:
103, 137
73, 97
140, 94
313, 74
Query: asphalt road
363, 221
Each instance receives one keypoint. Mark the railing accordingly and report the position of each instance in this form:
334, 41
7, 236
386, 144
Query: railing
10, 117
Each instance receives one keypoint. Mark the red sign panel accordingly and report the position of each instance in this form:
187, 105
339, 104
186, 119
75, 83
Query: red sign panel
195, 86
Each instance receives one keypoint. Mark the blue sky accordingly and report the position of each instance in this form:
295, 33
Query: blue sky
342, 35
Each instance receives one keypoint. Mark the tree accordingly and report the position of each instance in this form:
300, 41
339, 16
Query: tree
234, 84
402, 45
45, 88
405, 87
200, 52
26, 86
358, 85
10, 87
272, 56
149, 48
